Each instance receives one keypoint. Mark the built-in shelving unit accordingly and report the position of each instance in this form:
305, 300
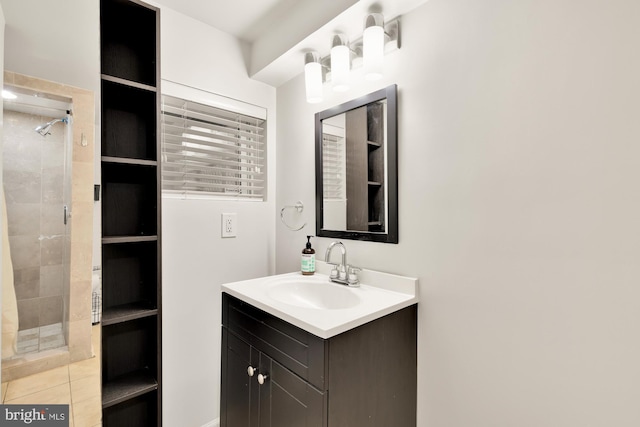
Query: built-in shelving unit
365, 168
375, 166
131, 274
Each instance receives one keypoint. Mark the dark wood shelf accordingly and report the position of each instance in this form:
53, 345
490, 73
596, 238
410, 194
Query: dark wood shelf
129, 200
129, 275
127, 312
128, 82
129, 41
127, 387
374, 183
129, 161
128, 239
374, 144
129, 121
131, 323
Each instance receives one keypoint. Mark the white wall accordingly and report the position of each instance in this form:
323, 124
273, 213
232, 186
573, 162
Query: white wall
519, 207
196, 260
58, 41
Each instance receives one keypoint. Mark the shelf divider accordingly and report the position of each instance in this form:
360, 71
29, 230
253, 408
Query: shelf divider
127, 387
126, 312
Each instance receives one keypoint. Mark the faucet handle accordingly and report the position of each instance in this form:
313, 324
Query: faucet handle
353, 276
334, 271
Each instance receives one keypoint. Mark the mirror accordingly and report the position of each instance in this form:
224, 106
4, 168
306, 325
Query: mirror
356, 169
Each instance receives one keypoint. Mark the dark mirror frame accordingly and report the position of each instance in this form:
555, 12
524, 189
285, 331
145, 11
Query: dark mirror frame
391, 235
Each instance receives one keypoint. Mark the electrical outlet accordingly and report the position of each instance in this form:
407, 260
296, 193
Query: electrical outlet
229, 225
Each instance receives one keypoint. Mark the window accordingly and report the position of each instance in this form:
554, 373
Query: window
333, 167
333, 162
210, 151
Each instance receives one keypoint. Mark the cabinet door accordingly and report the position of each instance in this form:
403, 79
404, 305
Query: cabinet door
239, 394
286, 400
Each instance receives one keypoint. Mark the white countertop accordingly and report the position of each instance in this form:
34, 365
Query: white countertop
379, 294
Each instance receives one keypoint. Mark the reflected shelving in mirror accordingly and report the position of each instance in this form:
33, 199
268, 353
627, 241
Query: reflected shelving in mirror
356, 169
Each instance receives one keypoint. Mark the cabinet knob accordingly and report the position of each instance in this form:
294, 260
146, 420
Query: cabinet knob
251, 370
262, 378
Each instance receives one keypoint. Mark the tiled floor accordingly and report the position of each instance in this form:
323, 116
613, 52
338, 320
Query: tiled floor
42, 338
77, 384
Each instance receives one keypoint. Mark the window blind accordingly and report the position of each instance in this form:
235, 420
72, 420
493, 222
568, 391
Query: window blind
333, 165
211, 151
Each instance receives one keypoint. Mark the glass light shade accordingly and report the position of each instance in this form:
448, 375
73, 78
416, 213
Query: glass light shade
313, 82
373, 52
8, 95
340, 64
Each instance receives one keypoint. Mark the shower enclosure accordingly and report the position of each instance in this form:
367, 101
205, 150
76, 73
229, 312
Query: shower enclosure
37, 147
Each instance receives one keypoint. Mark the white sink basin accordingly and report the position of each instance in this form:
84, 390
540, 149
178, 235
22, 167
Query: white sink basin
326, 309
312, 293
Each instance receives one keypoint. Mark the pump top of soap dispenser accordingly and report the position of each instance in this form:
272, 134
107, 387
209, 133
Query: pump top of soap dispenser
309, 242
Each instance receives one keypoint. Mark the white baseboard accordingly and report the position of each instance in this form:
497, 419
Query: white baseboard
214, 423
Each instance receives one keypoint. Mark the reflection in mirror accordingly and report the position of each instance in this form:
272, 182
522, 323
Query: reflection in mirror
353, 158
356, 182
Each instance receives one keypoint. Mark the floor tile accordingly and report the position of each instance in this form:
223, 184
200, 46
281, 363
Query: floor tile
51, 342
88, 412
85, 388
23, 343
38, 382
60, 394
27, 349
54, 329
38, 339
77, 384
30, 334
85, 368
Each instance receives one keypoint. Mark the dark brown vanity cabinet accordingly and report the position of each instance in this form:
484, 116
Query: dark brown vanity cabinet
275, 374
278, 398
131, 261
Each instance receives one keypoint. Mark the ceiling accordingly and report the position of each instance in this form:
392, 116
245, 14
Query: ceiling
244, 19
279, 32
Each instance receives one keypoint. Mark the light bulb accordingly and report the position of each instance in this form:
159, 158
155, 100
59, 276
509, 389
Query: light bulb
340, 63
313, 77
373, 47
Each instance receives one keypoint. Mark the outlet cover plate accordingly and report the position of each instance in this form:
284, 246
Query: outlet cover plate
229, 225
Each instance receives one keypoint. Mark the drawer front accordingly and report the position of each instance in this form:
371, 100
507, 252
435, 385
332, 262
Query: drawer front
297, 350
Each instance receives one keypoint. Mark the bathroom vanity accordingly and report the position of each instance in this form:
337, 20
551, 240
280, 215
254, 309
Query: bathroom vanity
319, 359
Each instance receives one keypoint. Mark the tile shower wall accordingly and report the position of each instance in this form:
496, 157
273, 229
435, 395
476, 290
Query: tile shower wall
33, 183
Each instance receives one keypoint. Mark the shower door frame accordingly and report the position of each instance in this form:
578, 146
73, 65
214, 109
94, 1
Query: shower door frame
81, 221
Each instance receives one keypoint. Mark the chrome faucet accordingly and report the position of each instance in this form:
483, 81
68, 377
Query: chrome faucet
342, 273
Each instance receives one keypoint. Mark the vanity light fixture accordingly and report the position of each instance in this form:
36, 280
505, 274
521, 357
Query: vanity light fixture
340, 63
313, 77
367, 52
373, 46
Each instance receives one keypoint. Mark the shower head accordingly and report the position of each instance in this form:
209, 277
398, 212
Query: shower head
45, 129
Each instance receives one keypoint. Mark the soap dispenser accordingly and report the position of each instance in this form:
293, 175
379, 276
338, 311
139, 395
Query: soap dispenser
308, 265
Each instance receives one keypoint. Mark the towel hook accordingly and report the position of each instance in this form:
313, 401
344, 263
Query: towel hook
299, 207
